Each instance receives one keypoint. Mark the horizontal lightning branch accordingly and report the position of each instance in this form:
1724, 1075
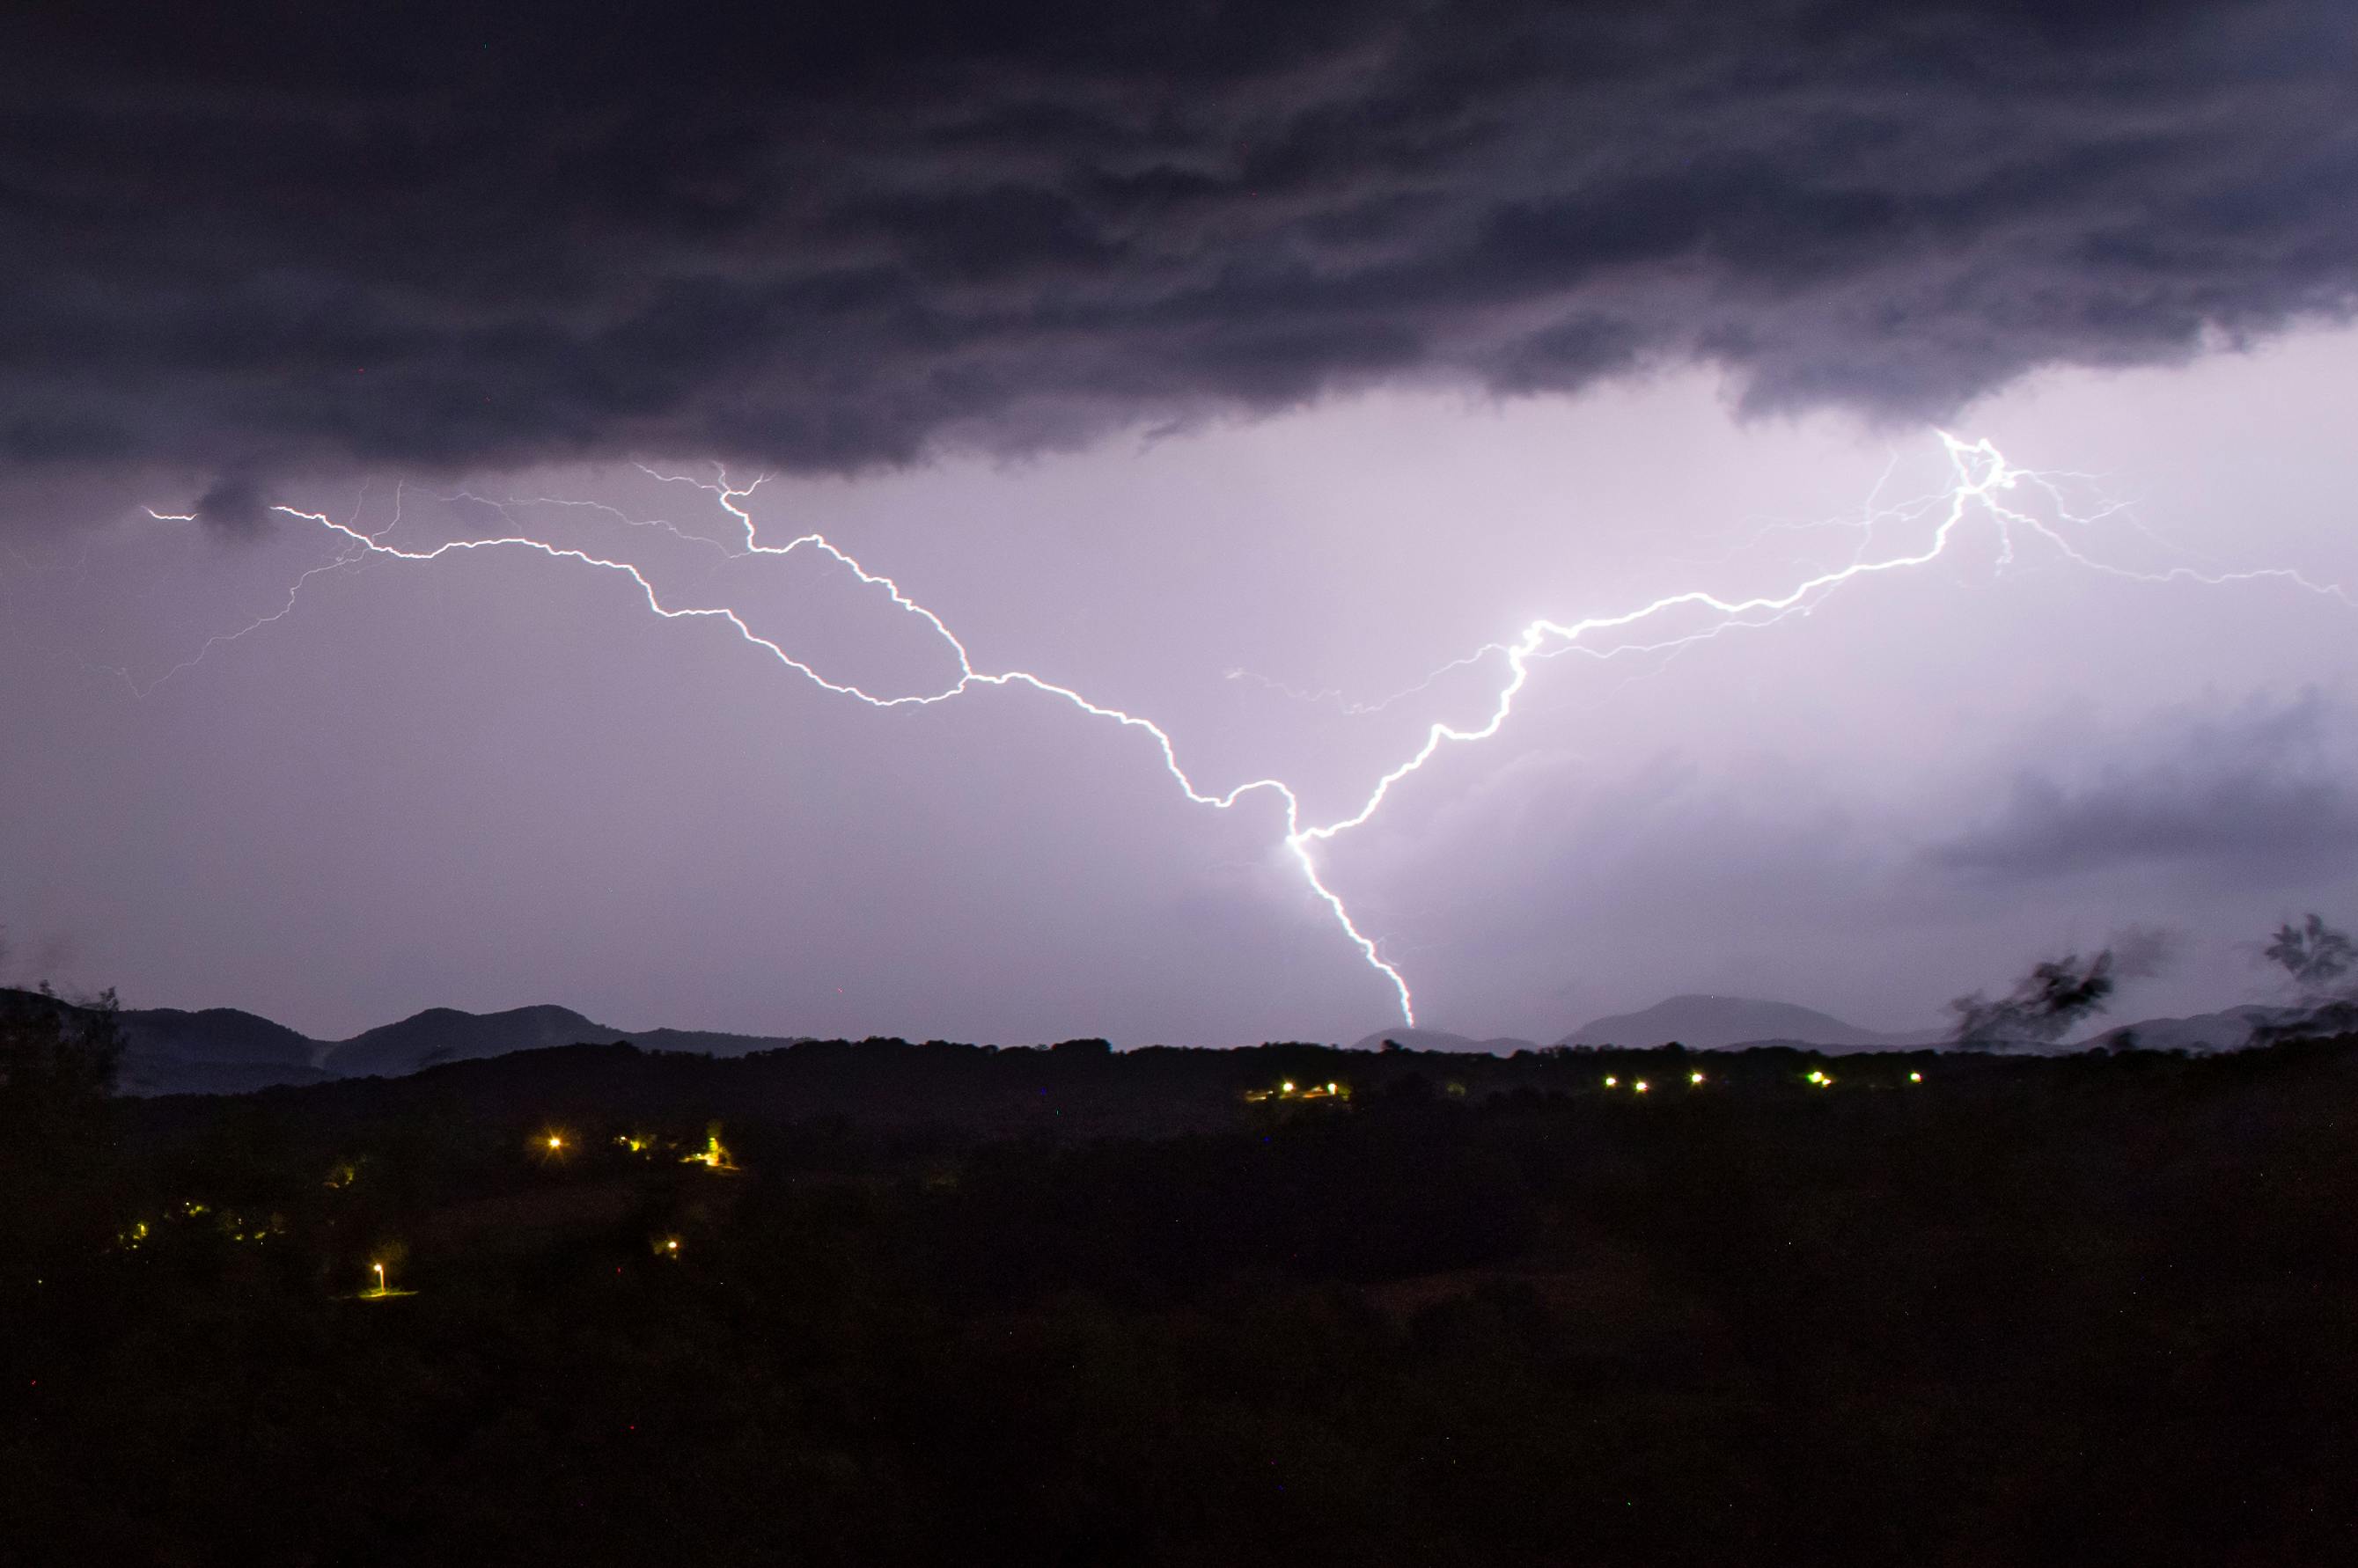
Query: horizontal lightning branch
1982, 481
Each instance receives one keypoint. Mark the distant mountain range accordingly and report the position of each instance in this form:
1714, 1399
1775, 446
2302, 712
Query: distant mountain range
1705, 1023
2228, 1031
445, 1034
224, 1051
1716, 1022
221, 1050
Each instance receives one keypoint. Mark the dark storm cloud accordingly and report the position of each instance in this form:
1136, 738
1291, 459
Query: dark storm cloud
283, 233
2260, 789
234, 507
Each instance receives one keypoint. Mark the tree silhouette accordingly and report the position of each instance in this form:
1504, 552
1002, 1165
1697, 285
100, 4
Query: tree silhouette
55, 1057
2314, 954
2319, 959
57, 1070
2043, 1005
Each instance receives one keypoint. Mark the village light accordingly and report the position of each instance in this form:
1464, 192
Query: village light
1641, 1086
1694, 1077
1612, 1083
1286, 1087
712, 1156
1915, 1077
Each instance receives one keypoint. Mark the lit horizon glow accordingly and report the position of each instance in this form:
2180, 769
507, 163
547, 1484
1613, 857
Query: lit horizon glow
1982, 479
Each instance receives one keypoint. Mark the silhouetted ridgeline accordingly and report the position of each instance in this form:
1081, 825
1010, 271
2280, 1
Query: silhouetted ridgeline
221, 1050
224, 1051
879, 1303
1080, 1088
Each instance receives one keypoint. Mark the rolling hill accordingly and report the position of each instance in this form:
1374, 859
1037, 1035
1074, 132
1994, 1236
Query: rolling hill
1715, 1022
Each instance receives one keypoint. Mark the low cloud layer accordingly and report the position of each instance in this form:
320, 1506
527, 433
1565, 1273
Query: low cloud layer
2263, 787
249, 238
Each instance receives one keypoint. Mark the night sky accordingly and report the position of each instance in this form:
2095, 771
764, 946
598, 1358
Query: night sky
1238, 368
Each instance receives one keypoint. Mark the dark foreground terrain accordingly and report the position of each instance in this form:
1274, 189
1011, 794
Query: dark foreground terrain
938, 1305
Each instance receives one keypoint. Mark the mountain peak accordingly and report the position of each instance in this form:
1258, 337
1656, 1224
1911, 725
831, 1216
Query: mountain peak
447, 1034
1708, 1021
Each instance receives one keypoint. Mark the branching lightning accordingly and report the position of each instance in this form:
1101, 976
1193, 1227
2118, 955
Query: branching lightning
1983, 481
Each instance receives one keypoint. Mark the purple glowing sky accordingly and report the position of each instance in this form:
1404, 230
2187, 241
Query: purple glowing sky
487, 782
1190, 357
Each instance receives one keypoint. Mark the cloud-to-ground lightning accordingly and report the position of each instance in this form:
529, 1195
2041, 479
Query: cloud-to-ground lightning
1981, 484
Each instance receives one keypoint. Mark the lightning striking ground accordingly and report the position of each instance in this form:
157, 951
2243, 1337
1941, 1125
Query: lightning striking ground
1983, 479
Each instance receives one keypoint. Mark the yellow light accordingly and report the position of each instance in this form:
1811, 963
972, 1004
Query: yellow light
1694, 1077
1915, 1077
1334, 1089
1287, 1086
555, 1141
1817, 1078
712, 1156
671, 1246
1612, 1083
1641, 1086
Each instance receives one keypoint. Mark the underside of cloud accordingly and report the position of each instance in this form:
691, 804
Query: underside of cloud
241, 236
2263, 788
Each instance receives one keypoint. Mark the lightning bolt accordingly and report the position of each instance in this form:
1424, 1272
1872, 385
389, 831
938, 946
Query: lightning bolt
1982, 484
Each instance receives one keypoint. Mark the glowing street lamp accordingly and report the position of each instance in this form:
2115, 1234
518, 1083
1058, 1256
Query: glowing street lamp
1642, 1086
1694, 1077
1611, 1082
1915, 1077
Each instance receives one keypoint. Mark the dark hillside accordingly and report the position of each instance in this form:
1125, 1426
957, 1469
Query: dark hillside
883, 1302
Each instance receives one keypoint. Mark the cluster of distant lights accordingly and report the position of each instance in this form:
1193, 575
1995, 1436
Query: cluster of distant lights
1289, 1089
1983, 478
231, 1224
1816, 1078
714, 1156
